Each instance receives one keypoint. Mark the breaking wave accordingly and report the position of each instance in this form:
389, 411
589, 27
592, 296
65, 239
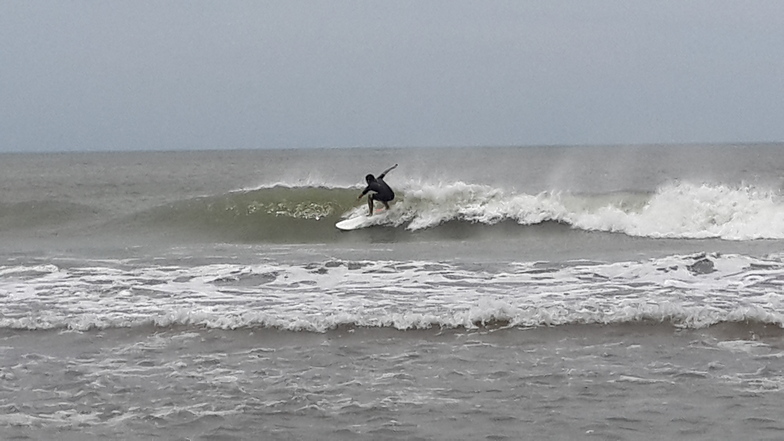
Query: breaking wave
307, 214
304, 214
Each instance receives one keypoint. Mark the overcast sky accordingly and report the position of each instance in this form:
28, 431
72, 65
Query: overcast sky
162, 75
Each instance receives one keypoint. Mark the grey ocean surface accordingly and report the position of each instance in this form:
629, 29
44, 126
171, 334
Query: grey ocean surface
603, 292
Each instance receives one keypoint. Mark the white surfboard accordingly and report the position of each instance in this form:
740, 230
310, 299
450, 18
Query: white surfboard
361, 221
352, 223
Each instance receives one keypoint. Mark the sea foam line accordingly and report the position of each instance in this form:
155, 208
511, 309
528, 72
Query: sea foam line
692, 291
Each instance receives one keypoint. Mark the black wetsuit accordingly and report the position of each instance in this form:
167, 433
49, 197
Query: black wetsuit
381, 190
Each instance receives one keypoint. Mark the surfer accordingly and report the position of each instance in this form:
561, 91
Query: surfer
380, 190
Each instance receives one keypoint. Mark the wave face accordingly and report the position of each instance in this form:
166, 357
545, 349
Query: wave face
308, 214
724, 192
689, 291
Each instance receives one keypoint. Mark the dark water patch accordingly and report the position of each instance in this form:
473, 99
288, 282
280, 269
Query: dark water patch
41, 214
749, 330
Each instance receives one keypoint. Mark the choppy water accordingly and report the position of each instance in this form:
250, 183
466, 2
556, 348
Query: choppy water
608, 292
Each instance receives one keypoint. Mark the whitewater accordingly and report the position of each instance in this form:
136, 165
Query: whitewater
609, 292
686, 291
681, 210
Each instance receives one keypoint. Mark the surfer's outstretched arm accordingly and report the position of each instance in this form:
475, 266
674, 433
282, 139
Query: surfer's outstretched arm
383, 173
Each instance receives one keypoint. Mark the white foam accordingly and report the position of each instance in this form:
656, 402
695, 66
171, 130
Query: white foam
401, 295
679, 210
696, 211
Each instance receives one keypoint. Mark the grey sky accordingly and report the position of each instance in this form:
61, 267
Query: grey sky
96, 75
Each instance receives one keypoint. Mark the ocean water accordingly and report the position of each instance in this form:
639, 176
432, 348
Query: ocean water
603, 292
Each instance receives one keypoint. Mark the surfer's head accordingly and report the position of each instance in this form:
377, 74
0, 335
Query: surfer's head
370, 178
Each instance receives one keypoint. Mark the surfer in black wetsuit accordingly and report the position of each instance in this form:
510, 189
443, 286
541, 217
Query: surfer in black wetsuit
380, 190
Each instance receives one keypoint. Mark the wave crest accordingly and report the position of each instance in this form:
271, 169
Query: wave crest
679, 210
695, 212
308, 214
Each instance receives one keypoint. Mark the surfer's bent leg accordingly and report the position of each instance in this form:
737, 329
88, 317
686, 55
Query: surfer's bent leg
370, 204
384, 197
